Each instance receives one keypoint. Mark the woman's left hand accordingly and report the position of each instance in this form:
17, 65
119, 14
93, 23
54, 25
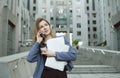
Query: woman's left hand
49, 53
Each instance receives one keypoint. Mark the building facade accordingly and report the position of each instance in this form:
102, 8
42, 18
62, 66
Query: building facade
110, 17
14, 26
64, 16
94, 22
103, 23
92, 8
80, 25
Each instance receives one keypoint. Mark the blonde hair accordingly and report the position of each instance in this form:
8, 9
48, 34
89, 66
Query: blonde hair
36, 29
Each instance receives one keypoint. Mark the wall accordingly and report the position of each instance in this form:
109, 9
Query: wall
16, 66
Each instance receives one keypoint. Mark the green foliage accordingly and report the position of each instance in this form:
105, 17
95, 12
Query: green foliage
75, 42
103, 43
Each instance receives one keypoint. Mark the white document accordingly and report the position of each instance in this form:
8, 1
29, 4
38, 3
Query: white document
56, 44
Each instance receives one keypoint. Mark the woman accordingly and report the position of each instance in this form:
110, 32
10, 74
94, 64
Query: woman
36, 54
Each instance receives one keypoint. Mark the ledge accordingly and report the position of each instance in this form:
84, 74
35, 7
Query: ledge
14, 57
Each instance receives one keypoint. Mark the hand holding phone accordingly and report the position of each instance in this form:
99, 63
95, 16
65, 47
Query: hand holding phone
42, 35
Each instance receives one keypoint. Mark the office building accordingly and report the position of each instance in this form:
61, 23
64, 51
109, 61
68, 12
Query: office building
65, 16
15, 21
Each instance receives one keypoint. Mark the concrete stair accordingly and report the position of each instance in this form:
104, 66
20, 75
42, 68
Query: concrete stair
91, 64
87, 69
87, 64
83, 59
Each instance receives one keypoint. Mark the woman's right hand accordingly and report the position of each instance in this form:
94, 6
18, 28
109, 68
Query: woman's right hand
39, 38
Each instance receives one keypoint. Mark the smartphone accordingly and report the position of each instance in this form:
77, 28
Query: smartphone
43, 35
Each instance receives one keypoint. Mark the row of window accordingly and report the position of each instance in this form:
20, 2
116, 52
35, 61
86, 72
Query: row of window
94, 29
93, 15
93, 22
57, 2
60, 10
93, 4
89, 36
94, 36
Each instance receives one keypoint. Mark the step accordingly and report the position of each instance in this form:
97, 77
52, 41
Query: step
86, 69
99, 75
84, 62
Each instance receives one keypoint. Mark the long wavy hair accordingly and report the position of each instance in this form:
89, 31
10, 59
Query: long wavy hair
36, 29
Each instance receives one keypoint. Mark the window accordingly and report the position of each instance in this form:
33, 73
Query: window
51, 10
78, 16
70, 10
43, 10
34, 1
94, 29
94, 36
94, 21
88, 21
77, 10
60, 3
34, 8
95, 43
61, 10
51, 18
78, 33
94, 15
33, 15
88, 28
70, 2
87, 7
89, 36
24, 22
89, 43
109, 15
93, 4
78, 25
88, 15
21, 18
87, 1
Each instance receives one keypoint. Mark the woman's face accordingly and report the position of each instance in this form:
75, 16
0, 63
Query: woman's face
44, 27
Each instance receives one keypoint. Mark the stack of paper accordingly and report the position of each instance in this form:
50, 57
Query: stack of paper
56, 44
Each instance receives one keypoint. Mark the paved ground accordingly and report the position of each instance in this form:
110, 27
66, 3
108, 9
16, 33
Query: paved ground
112, 75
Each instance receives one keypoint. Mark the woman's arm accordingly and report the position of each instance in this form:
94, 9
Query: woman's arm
66, 56
34, 53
